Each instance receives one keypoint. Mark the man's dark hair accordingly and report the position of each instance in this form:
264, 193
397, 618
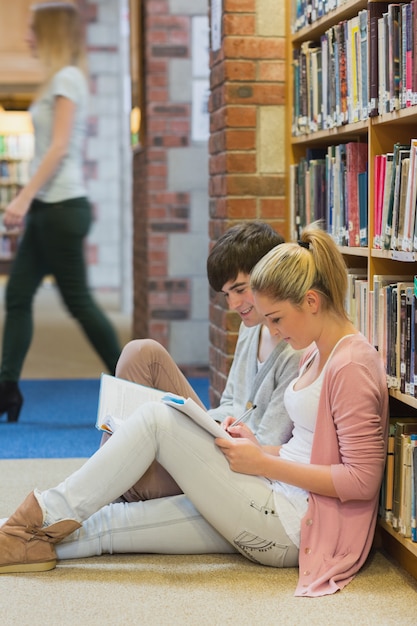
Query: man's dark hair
238, 250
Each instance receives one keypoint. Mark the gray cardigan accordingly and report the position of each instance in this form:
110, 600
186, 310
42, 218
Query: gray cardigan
265, 388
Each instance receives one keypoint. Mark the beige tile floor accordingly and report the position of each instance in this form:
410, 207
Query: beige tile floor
59, 348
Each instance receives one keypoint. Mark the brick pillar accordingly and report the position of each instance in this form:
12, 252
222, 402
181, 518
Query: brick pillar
158, 212
246, 144
140, 247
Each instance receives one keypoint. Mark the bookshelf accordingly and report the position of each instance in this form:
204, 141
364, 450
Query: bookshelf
379, 131
16, 151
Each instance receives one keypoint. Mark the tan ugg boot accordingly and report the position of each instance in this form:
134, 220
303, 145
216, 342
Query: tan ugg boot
27, 547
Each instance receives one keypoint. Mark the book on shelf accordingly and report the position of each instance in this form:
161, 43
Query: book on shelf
379, 321
354, 274
379, 178
403, 344
342, 69
308, 189
307, 86
393, 92
375, 11
315, 91
414, 47
407, 242
386, 194
398, 498
410, 341
296, 95
360, 318
352, 27
404, 517
382, 63
399, 225
119, 399
340, 228
400, 192
400, 428
392, 193
406, 56
363, 71
363, 208
388, 482
413, 438
356, 163
333, 68
325, 85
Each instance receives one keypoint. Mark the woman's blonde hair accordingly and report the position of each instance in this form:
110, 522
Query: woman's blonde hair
59, 36
289, 270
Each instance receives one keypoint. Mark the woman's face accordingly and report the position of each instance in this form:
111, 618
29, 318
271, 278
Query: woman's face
294, 324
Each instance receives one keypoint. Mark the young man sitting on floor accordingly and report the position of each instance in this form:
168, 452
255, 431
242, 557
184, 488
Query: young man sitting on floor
262, 367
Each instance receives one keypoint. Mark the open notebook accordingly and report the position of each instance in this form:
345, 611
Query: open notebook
119, 398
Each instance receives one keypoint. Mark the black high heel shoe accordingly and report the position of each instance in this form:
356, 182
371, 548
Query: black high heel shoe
11, 400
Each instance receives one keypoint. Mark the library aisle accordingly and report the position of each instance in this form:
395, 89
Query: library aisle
59, 349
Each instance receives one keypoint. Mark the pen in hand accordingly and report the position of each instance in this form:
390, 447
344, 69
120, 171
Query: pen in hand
243, 416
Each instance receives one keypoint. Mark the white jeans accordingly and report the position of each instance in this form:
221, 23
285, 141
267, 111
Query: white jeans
221, 511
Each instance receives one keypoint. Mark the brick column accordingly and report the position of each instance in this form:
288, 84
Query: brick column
246, 144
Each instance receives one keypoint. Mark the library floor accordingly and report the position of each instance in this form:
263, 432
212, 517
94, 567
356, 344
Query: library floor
160, 589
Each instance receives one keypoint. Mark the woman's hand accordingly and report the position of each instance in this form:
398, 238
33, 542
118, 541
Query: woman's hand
240, 430
64, 112
15, 212
244, 456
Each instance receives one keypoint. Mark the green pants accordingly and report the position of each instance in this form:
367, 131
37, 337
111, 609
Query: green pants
53, 244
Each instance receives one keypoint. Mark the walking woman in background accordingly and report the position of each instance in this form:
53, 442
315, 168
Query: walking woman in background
310, 502
52, 207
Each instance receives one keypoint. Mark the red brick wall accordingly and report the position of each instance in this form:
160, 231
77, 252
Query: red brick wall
246, 74
159, 299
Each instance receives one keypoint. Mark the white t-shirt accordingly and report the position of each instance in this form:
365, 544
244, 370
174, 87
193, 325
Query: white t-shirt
68, 181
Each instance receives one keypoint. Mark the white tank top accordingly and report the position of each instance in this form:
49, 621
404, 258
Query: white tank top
302, 406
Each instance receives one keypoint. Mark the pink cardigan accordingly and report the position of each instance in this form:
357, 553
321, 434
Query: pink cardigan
351, 436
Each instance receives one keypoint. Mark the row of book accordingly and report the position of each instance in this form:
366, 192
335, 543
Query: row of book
386, 313
332, 185
395, 192
398, 501
396, 35
17, 146
359, 68
330, 86
306, 12
14, 172
7, 193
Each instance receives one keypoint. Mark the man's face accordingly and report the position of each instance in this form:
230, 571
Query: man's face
239, 298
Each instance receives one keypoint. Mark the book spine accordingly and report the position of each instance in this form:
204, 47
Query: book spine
363, 48
413, 439
389, 478
375, 11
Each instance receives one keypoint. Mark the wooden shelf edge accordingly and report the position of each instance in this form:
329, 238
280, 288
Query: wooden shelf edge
337, 133
403, 550
312, 31
404, 398
353, 251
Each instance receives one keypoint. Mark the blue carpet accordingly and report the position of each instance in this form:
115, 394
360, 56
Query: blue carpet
58, 419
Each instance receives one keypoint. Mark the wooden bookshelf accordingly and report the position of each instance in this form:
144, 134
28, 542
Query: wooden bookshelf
16, 151
380, 132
